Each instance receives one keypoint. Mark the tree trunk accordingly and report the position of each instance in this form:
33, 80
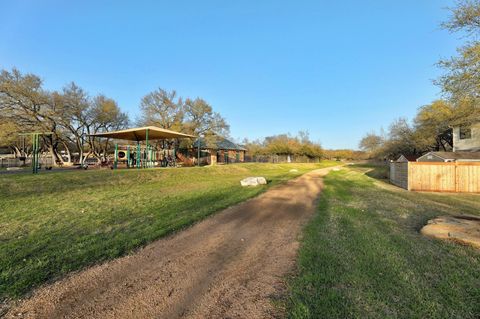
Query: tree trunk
85, 156
80, 156
56, 158
69, 154
16, 151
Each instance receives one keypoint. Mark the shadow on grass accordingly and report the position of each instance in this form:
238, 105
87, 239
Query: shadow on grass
376, 171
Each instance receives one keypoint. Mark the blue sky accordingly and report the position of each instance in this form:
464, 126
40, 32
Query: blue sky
335, 68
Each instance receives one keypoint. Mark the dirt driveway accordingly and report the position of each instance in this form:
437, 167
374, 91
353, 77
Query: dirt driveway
228, 266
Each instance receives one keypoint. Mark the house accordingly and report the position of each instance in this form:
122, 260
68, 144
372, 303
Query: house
219, 150
466, 146
450, 157
466, 138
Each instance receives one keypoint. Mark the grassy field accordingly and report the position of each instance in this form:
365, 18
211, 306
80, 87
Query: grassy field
52, 224
362, 255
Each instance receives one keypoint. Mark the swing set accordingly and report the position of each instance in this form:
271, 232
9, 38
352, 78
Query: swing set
35, 163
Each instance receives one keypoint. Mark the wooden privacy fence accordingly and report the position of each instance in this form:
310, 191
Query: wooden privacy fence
437, 176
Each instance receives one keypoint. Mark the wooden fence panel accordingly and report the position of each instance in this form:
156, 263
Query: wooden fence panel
434, 177
468, 177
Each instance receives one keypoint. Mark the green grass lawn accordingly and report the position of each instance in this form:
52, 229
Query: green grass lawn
362, 255
51, 224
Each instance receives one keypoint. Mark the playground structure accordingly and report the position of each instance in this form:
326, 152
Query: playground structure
144, 155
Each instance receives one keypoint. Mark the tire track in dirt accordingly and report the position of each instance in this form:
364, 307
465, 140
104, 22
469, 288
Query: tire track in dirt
229, 266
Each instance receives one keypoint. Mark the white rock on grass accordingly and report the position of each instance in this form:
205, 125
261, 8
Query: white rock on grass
253, 181
294, 170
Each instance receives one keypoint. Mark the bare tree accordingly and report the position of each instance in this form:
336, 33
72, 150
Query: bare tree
103, 115
163, 109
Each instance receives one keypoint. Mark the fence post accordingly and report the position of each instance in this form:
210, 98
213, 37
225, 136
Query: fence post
456, 177
115, 159
409, 174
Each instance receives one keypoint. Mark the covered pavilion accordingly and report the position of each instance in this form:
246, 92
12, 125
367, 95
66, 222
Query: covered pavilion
139, 156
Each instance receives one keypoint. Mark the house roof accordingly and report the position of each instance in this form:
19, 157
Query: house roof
410, 158
140, 134
218, 143
456, 155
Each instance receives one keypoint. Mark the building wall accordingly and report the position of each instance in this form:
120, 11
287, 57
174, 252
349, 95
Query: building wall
471, 144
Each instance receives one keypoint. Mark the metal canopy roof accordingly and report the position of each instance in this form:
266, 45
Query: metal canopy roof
140, 134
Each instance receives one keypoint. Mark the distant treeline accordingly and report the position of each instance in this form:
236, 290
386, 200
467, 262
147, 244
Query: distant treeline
284, 144
299, 145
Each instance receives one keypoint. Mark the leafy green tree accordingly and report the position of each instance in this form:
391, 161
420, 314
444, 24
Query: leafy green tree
461, 82
254, 147
285, 144
433, 126
9, 135
346, 154
307, 147
465, 17
281, 144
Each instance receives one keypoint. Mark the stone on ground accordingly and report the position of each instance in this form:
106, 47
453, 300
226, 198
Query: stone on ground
461, 228
253, 181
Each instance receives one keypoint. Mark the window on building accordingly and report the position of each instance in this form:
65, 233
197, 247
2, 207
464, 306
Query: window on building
465, 133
